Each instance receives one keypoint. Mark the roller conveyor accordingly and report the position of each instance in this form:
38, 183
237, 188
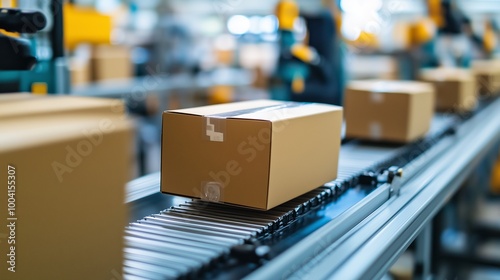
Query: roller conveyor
197, 237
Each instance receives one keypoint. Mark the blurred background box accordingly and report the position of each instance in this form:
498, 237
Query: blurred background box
110, 62
79, 70
382, 110
25, 106
455, 88
72, 157
488, 76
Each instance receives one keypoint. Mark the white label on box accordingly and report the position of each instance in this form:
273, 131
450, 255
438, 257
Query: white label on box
375, 130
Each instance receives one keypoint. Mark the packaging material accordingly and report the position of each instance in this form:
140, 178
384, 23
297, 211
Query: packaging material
65, 161
111, 62
487, 75
79, 71
393, 111
256, 154
455, 88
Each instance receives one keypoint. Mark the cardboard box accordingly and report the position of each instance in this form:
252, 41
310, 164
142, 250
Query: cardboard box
79, 70
488, 76
394, 111
71, 159
111, 62
455, 88
256, 154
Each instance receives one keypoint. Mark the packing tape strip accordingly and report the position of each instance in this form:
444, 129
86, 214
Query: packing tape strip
236, 113
214, 126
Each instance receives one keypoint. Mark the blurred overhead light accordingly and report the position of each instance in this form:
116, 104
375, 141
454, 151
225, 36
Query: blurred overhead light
268, 24
107, 6
255, 25
212, 26
360, 15
360, 6
238, 24
350, 31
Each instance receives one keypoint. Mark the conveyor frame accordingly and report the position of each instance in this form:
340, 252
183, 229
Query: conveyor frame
369, 249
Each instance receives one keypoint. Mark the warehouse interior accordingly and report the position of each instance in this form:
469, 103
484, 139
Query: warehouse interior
233, 139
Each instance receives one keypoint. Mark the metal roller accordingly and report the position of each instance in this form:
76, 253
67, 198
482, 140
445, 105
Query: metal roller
264, 224
192, 229
193, 243
216, 240
207, 225
202, 255
169, 216
215, 220
183, 262
153, 271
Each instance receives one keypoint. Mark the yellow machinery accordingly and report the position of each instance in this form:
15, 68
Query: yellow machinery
85, 25
422, 31
489, 38
287, 11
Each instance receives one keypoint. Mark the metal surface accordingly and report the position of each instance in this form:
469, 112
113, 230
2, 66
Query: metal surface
423, 253
370, 248
334, 236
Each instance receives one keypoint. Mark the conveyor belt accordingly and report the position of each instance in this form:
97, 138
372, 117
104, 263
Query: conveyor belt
190, 238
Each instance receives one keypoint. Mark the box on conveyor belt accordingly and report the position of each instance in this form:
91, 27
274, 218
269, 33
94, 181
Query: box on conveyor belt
455, 88
487, 75
256, 154
65, 161
384, 110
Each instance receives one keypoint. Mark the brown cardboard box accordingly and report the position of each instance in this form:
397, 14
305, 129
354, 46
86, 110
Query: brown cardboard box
79, 70
71, 159
111, 62
381, 110
25, 105
256, 154
455, 88
488, 76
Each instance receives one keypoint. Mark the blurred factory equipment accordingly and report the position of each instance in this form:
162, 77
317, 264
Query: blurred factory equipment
50, 75
309, 69
290, 71
61, 31
17, 53
173, 44
453, 46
